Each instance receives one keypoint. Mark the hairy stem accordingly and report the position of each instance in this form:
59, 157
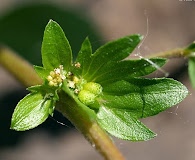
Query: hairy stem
81, 116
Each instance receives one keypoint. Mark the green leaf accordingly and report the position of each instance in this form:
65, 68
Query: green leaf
30, 112
123, 125
46, 91
111, 52
42, 72
55, 48
127, 68
190, 50
37, 88
191, 70
144, 97
84, 58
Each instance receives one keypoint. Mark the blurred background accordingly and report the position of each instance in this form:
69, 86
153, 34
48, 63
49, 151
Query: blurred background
171, 25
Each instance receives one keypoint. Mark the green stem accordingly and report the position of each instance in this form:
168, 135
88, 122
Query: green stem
84, 119
81, 116
18, 67
174, 53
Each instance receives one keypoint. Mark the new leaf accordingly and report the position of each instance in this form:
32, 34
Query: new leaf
84, 58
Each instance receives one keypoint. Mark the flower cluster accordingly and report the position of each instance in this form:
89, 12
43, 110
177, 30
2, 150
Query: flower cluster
86, 91
56, 77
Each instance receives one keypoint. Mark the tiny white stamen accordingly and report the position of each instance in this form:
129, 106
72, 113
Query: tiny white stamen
71, 84
76, 91
57, 70
77, 65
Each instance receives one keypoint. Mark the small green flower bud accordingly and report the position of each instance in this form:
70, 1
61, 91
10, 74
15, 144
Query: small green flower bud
93, 87
86, 97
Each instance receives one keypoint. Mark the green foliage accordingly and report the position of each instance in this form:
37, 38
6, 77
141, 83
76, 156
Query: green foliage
110, 86
42, 72
56, 50
144, 97
31, 111
191, 70
190, 53
122, 124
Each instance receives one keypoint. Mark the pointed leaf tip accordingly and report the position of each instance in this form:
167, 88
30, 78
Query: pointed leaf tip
111, 53
56, 49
